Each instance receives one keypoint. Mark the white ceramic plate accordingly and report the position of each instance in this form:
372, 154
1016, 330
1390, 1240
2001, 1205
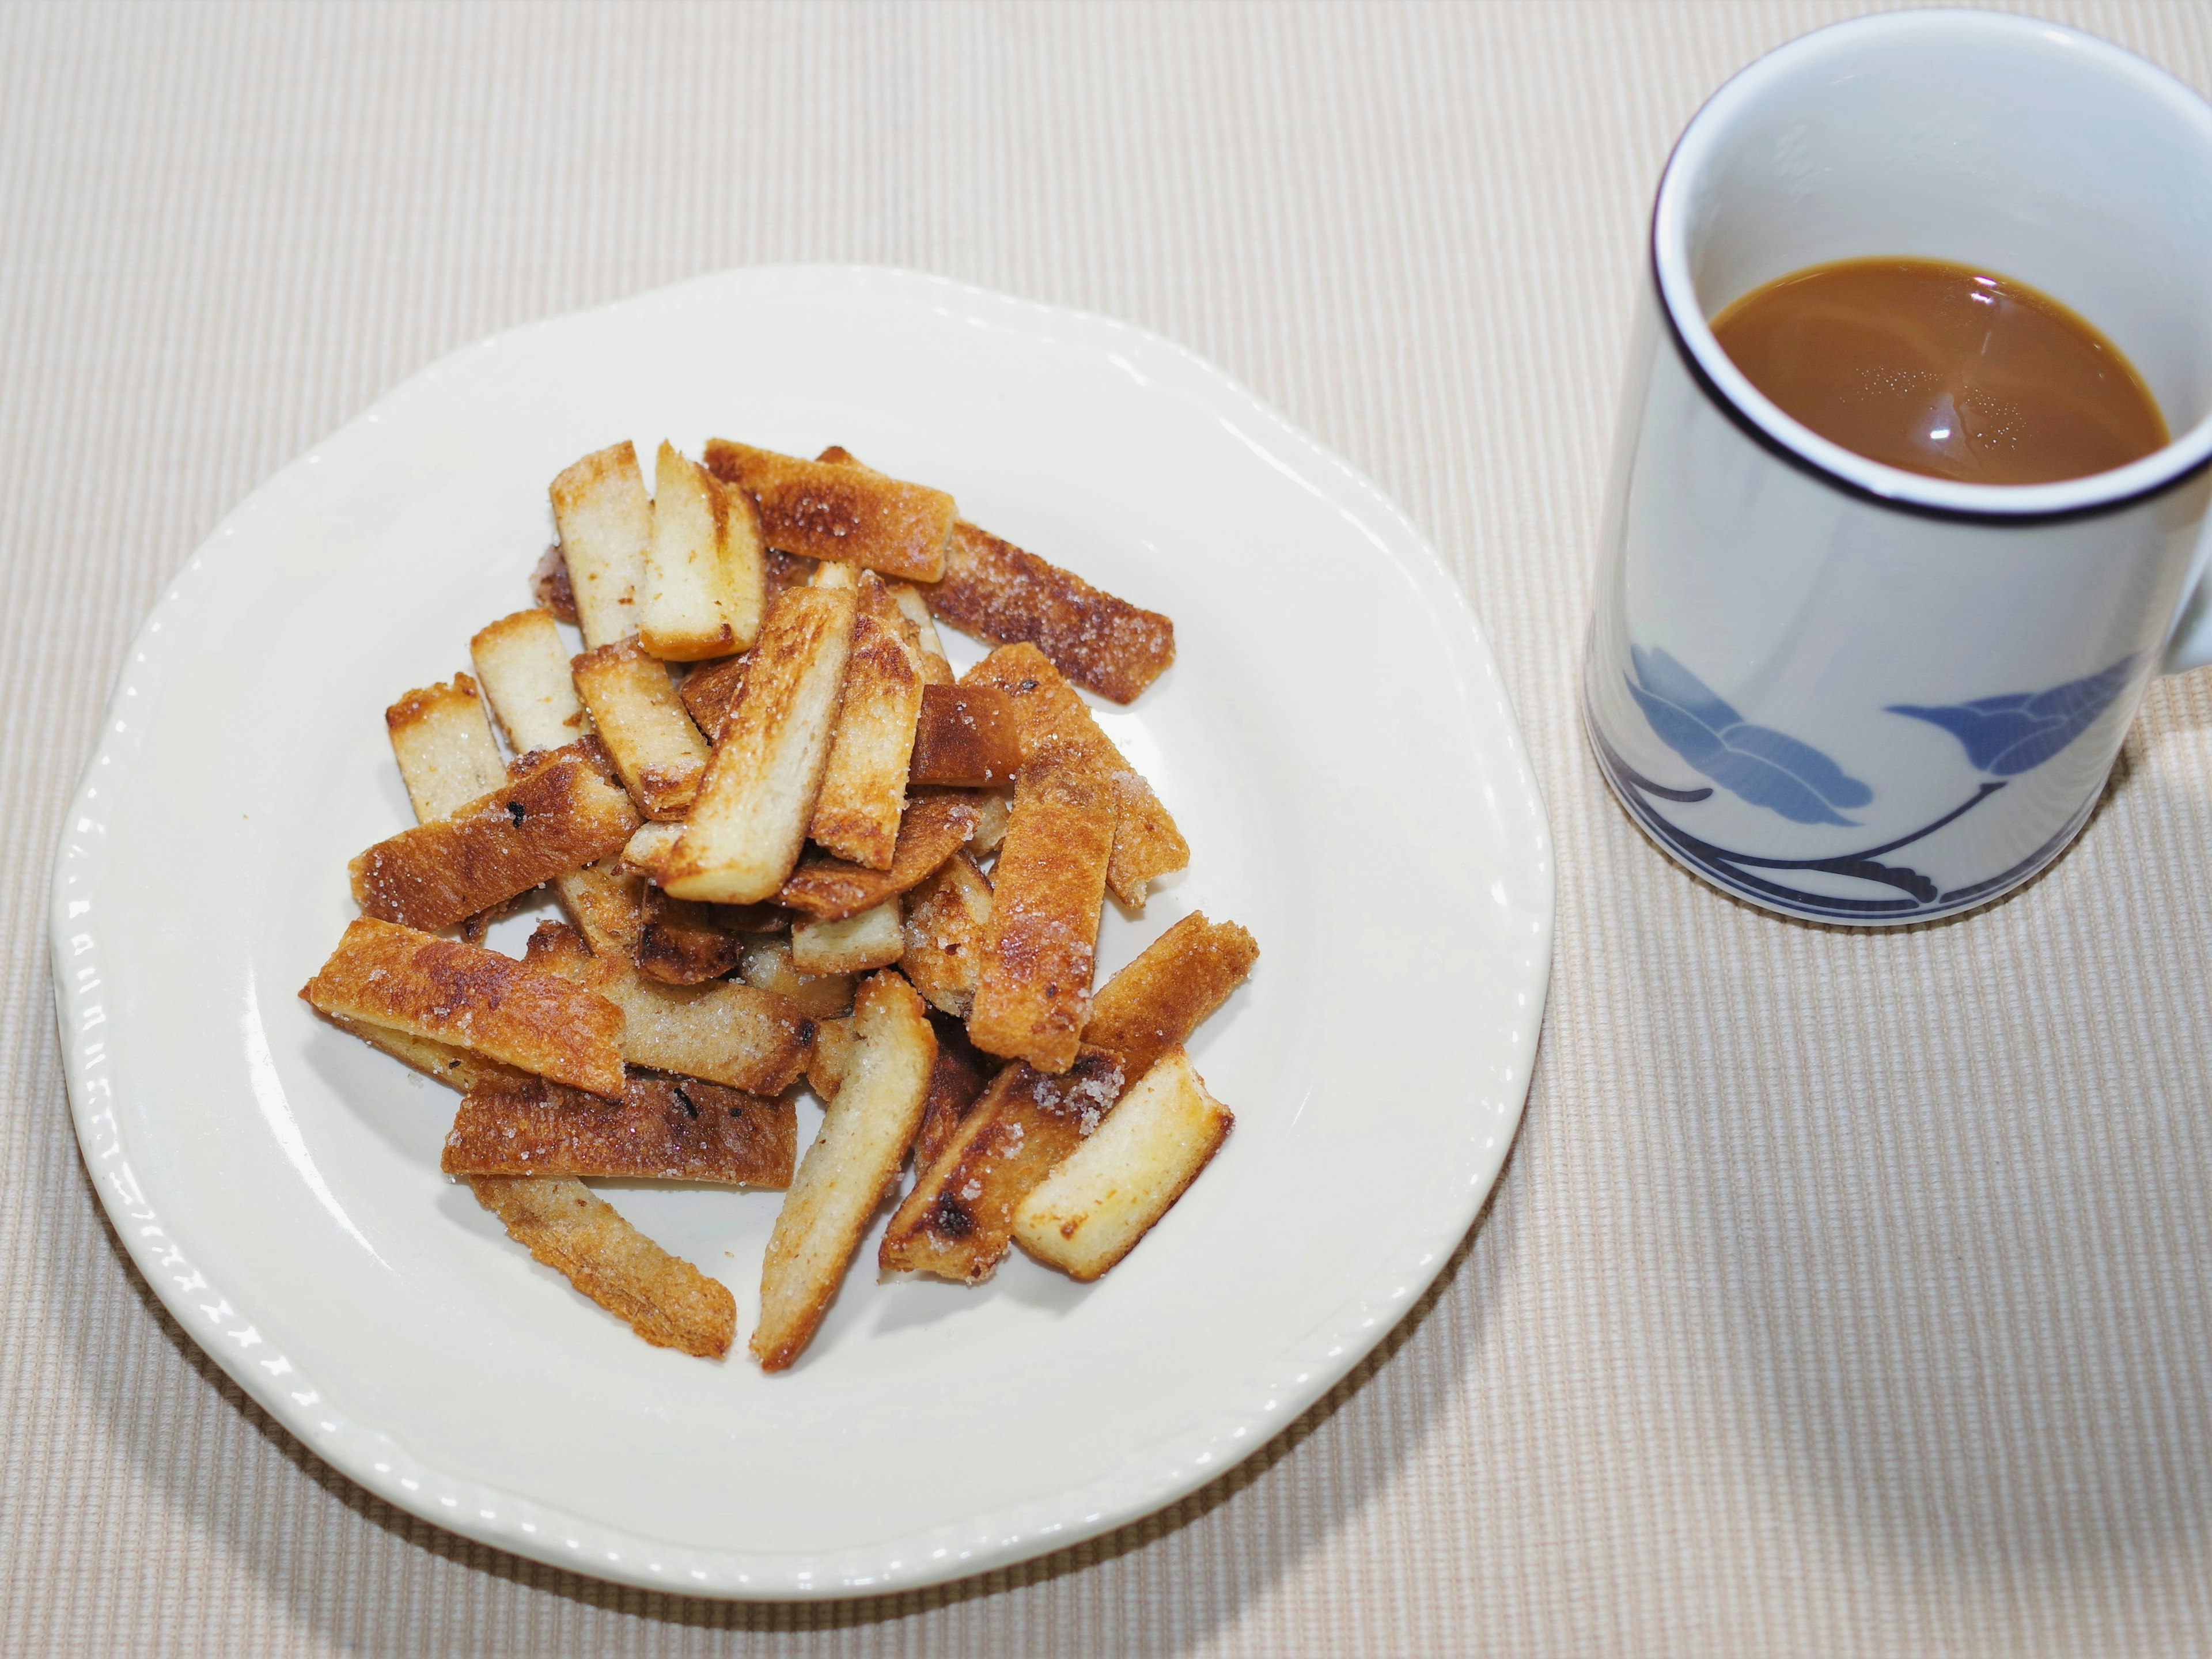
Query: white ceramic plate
1333, 738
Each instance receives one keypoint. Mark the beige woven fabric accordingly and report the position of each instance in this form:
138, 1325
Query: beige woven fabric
1844, 1294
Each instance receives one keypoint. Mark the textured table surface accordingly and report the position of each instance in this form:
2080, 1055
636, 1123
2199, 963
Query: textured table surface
1844, 1294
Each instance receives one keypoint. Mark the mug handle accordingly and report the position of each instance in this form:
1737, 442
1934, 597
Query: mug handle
2188, 644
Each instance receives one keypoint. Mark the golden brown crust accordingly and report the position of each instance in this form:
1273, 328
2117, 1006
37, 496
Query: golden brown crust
998, 593
958, 1220
710, 692
934, 827
856, 813
1155, 1003
683, 942
663, 1128
559, 815
946, 919
1146, 843
848, 514
957, 1082
864, 1139
968, 736
456, 1069
605, 518
1041, 946
750, 821
654, 745
723, 1031
607, 902
663, 1298
460, 994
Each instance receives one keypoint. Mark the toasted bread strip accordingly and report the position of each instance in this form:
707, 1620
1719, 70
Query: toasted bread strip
1146, 843
647, 854
569, 1228
998, 593
935, 828
830, 1058
1041, 945
856, 813
1107, 1194
957, 1082
936, 668
455, 1067
664, 1129
873, 939
471, 999
864, 1138
946, 918
607, 904
524, 666
1155, 1003
656, 747
605, 518
968, 736
703, 588
710, 693
549, 586
750, 818
559, 814
958, 1220
995, 809
852, 514
724, 1031
684, 942
766, 962
444, 747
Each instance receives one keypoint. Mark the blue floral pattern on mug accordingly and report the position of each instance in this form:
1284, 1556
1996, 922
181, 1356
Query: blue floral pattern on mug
1766, 767
2014, 733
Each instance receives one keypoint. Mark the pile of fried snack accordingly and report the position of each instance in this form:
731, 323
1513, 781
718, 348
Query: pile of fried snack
791, 847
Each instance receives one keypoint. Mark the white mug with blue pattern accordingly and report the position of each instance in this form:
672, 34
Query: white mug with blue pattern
1838, 689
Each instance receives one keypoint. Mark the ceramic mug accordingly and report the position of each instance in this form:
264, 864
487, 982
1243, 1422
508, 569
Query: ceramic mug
1847, 692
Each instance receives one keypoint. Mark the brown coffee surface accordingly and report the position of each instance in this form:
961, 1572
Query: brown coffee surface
1943, 369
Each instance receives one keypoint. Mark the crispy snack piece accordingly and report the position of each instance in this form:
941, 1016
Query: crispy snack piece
607, 902
998, 593
936, 668
557, 815
605, 518
549, 586
710, 693
1146, 843
663, 1298
935, 828
444, 747
1107, 1194
750, 818
724, 1032
647, 854
456, 1068
947, 917
995, 809
1155, 1003
766, 962
663, 1128
856, 814
831, 1056
684, 942
852, 514
1041, 945
524, 666
959, 1220
704, 588
957, 1082
968, 736
490, 1005
656, 747
873, 939
864, 1138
